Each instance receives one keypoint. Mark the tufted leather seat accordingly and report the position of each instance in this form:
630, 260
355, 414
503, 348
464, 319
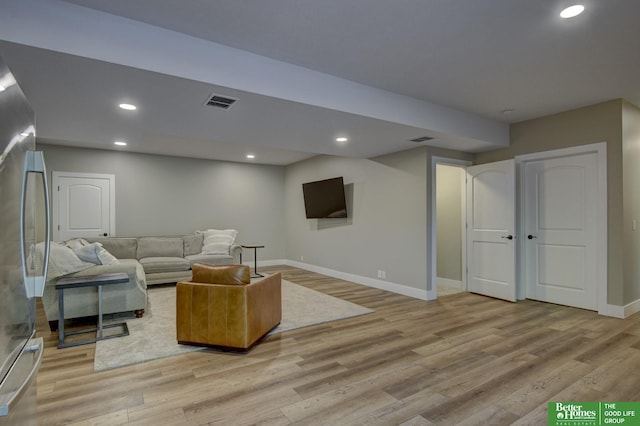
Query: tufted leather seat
220, 306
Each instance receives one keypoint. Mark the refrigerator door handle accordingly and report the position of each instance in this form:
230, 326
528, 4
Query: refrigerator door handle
6, 404
34, 163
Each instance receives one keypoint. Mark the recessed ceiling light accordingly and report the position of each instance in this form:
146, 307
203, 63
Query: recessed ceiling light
251, 156
572, 11
120, 143
128, 107
2, 89
341, 139
507, 111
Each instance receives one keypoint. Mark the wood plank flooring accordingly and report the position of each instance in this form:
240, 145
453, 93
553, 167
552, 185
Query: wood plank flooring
464, 359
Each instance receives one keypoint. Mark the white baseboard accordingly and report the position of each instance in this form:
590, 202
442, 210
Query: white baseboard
632, 308
610, 310
449, 283
262, 263
358, 279
621, 311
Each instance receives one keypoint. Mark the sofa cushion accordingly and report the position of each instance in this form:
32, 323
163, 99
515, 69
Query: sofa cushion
211, 259
168, 277
121, 248
164, 264
228, 274
159, 247
192, 244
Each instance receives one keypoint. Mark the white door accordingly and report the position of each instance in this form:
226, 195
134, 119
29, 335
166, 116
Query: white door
83, 205
491, 230
560, 214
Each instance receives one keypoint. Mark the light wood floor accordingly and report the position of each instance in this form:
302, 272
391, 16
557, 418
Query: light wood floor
464, 359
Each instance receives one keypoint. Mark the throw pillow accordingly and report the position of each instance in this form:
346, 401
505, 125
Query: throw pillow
75, 243
91, 252
218, 241
105, 257
88, 253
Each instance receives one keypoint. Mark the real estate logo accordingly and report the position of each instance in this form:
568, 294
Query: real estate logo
574, 413
593, 413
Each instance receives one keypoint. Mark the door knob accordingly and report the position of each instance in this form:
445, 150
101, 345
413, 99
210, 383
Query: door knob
508, 237
531, 237
105, 234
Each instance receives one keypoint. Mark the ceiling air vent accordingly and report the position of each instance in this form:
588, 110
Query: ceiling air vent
219, 101
421, 139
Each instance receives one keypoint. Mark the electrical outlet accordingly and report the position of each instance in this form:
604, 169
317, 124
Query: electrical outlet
301, 258
382, 274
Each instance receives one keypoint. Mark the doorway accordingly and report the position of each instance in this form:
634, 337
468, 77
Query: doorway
448, 258
450, 217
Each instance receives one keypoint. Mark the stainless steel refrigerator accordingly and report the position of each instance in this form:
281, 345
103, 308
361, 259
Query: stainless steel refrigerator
23, 209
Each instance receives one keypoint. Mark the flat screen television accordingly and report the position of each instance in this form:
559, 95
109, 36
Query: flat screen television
324, 199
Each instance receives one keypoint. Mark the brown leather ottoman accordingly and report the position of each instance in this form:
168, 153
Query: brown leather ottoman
221, 307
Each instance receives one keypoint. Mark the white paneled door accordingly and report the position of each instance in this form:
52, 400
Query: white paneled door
560, 220
83, 205
491, 230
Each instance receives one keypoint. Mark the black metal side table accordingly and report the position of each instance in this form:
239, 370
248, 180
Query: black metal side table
90, 281
255, 259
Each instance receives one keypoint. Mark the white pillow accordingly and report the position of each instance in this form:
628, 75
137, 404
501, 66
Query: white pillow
218, 241
91, 252
88, 253
76, 242
95, 253
105, 257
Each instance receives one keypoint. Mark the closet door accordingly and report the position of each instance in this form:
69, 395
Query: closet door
83, 205
560, 210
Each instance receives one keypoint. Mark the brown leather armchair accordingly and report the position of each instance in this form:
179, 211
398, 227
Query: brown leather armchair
221, 307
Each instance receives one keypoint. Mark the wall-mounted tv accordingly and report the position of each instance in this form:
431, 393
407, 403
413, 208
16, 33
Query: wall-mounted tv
324, 199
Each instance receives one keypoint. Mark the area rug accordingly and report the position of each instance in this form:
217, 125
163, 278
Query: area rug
154, 335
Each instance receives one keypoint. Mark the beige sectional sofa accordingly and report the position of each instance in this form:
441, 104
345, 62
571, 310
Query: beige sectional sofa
166, 259
146, 261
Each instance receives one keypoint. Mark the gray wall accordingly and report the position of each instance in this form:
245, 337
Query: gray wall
449, 221
386, 228
160, 195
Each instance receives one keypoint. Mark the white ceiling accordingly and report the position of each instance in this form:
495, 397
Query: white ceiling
447, 69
